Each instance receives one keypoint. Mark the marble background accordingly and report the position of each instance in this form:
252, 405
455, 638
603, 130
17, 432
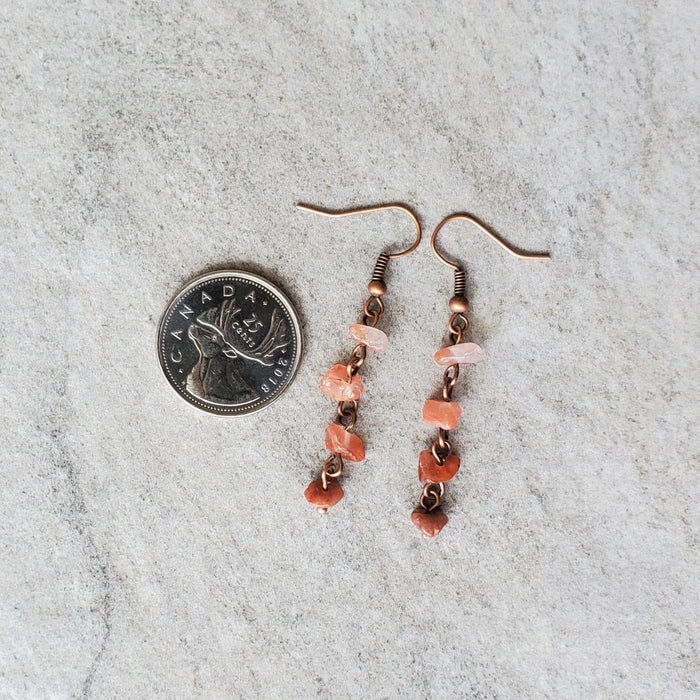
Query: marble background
149, 550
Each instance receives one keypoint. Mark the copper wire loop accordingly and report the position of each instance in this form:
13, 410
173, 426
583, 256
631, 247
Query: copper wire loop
328, 473
374, 308
449, 379
347, 414
441, 451
431, 494
357, 359
458, 325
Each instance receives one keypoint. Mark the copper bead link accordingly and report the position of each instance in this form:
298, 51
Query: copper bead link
377, 288
459, 305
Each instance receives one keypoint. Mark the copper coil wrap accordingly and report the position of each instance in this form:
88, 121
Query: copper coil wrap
460, 282
377, 285
380, 267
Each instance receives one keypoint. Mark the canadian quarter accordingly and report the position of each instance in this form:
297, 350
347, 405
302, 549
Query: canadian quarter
230, 342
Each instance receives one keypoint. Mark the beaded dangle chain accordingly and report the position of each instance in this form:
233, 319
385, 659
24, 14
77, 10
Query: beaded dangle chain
439, 464
342, 382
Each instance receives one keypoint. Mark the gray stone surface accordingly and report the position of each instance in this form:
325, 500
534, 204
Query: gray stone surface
150, 550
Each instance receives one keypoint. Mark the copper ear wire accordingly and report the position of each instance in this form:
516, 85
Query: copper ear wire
467, 217
458, 303
377, 286
365, 210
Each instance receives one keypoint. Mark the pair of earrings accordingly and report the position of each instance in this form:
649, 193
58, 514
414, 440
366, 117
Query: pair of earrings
342, 383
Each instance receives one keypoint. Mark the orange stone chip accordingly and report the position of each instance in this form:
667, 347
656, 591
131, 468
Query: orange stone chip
429, 522
348, 445
373, 338
430, 472
335, 383
323, 499
442, 414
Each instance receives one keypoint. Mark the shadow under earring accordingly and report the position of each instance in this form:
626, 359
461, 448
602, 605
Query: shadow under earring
342, 382
439, 464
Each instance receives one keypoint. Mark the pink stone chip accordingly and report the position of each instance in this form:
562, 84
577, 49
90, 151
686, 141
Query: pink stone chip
442, 414
373, 338
335, 383
348, 445
462, 354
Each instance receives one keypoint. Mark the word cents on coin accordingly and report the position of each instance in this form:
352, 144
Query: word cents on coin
229, 342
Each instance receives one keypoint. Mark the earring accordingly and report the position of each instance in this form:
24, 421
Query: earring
438, 464
342, 382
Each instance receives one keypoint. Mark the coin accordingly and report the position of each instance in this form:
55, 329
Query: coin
229, 342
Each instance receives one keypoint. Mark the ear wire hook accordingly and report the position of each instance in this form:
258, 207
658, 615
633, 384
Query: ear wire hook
365, 210
467, 217
458, 303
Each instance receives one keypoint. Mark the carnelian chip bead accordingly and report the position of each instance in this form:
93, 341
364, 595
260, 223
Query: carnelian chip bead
431, 472
338, 386
348, 445
429, 522
460, 354
371, 337
323, 498
442, 414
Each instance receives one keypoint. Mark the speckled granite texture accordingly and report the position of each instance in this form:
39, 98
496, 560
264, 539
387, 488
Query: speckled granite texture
149, 550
